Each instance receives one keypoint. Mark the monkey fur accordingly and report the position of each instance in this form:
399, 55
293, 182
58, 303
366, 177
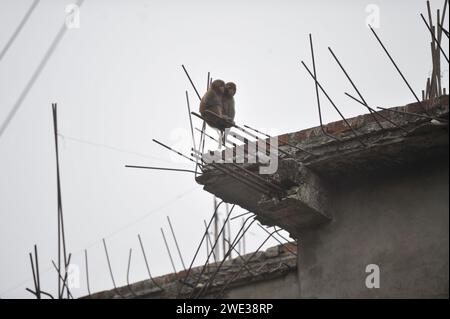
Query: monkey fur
212, 102
228, 100
217, 107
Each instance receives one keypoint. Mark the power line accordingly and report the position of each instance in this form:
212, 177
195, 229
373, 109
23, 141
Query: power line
35, 76
19, 28
110, 147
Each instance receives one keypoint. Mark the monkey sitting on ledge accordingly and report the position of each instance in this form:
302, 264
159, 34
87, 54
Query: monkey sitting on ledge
217, 106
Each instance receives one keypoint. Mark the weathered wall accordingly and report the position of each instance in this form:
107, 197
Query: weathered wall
285, 287
398, 220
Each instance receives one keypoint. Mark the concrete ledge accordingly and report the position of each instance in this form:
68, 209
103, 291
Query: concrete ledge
306, 205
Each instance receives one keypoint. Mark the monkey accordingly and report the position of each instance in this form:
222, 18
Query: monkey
212, 102
219, 99
228, 100
228, 106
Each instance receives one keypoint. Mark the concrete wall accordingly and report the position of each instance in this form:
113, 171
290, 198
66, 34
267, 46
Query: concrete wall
284, 287
398, 220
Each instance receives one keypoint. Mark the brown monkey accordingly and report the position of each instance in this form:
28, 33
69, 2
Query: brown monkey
228, 101
212, 102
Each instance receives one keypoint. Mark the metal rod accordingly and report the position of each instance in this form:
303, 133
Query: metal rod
230, 143
238, 237
244, 264
216, 227
240, 257
228, 229
250, 134
176, 243
161, 168
379, 114
36, 286
38, 279
241, 178
355, 88
434, 38
61, 231
209, 136
334, 105
128, 275
146, 263
287, 143
110, 269
168, 251
198, 249
278, 233
212, 248
42, 292
244, 248
62, 279
317, 91
282, 244
190, 119
224, 246
397, 68
236, 240
414, 114
65, 285
190, 80
87, 272
171, 149
241, 215
444, 30
209, 242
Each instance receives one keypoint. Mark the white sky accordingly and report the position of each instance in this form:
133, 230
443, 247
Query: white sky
118, 81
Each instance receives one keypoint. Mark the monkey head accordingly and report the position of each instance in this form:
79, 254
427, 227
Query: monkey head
218, 86
230, 89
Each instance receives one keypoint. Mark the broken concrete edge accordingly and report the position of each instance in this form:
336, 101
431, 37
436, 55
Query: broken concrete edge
315, 141
305, 177
267, 260
366, 125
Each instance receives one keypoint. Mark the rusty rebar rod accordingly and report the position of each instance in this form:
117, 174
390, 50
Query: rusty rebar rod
371, 111
244, 264
237, 239
87, 271
414, 114
397, 68
335, 107
176, 242
198, 249
279, 241
380, 115
168, 251
146, 263
317, 91
213, 247
128, 275
161, 168
110, 269
287, 143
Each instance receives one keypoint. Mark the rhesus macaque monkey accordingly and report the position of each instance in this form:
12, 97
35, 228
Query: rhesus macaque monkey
228, 100
217, 107
212, 102
228, 105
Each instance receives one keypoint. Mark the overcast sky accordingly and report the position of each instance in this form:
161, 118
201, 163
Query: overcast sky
118, 83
